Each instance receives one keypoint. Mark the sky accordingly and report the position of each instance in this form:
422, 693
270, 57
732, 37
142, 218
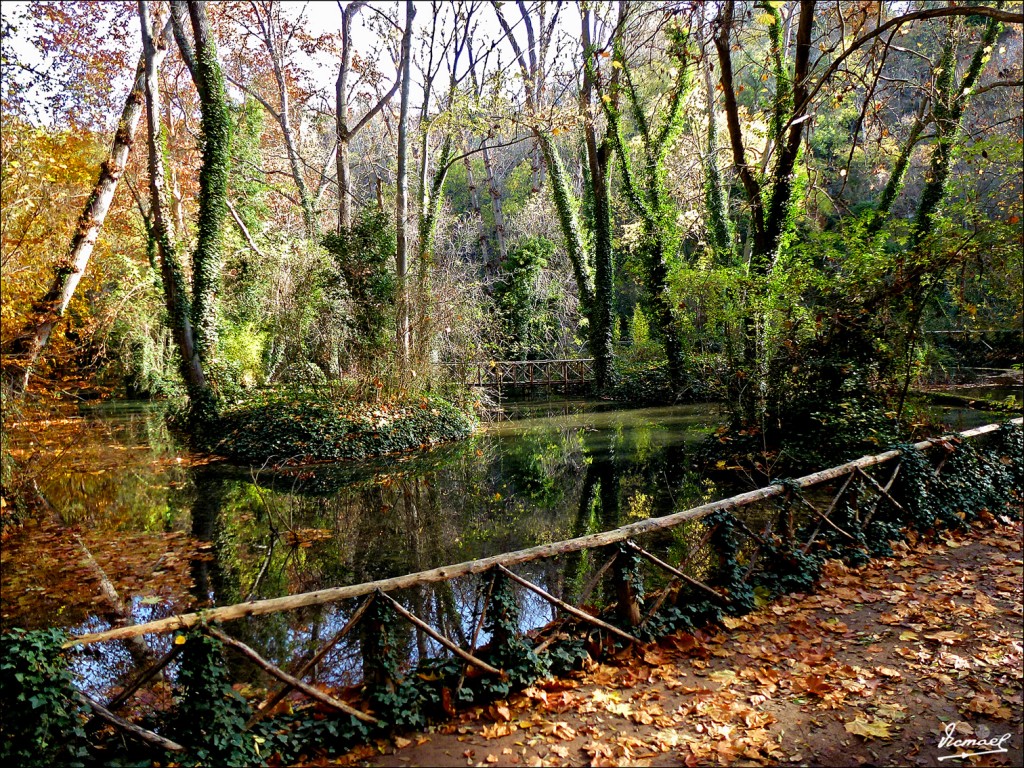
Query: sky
320, 15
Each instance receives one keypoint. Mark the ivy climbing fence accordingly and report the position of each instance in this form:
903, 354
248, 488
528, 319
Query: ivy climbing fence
602, 590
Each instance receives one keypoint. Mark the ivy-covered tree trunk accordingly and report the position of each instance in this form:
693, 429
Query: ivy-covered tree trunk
950, 104
569, 222
213, 189
769, 200
26, 348
599, 155
644, 183
176, 295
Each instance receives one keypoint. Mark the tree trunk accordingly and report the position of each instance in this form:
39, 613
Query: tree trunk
176, 296
26, 348
474, 204
402, 197
599, 162
341, 119
274, 40
213, 182
951, 101
497, 212
719, 228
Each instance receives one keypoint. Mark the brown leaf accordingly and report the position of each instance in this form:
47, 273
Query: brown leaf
876, 729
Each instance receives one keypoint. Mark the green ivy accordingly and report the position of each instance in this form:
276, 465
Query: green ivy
42, 723
361, 257
508, 650
304, 424
209, 715
725, 543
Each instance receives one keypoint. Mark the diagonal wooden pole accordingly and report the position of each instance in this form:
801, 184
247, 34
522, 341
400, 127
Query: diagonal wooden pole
594, 580
573, 611
272, 702
880, 489
888, 485
313, 693
138, 732
468, 657
676, 572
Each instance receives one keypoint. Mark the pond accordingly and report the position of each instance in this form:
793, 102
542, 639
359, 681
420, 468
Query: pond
173, 532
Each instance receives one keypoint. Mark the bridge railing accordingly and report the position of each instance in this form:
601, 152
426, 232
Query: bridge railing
696, 563
522, 374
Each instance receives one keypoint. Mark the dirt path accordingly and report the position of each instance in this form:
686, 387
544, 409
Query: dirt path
873, 669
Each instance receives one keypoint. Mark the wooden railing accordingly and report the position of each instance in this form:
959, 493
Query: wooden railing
777, 514
525, 374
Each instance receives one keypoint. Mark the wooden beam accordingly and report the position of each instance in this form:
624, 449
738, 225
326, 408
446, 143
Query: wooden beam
153, 739
571, 610
444, 573
825, 519
827, 512
676, 572
313, 693
142, 679
272, 702
888, 485
881, 490
465, 656
594, 580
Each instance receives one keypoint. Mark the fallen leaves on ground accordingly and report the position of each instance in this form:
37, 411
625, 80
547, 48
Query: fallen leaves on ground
868, 670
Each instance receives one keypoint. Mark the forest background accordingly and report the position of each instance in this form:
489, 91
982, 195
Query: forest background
788, 206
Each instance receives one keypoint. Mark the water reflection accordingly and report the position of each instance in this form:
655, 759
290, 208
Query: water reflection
173, 536
517, 485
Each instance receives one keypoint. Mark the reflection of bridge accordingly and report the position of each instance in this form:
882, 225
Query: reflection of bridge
522, 374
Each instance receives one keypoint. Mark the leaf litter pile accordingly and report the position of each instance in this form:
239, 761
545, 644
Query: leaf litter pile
872, 669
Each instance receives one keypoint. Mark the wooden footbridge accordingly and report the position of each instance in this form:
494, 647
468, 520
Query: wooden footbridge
564, 375
700, 556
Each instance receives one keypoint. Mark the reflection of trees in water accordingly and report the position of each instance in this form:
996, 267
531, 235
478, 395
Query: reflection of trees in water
279, 535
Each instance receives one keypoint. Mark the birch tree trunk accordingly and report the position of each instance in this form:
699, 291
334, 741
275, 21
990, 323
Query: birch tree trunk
341, 119
27, 347
344, 131
275, 40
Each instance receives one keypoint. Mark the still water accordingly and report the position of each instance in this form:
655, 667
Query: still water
174, 532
